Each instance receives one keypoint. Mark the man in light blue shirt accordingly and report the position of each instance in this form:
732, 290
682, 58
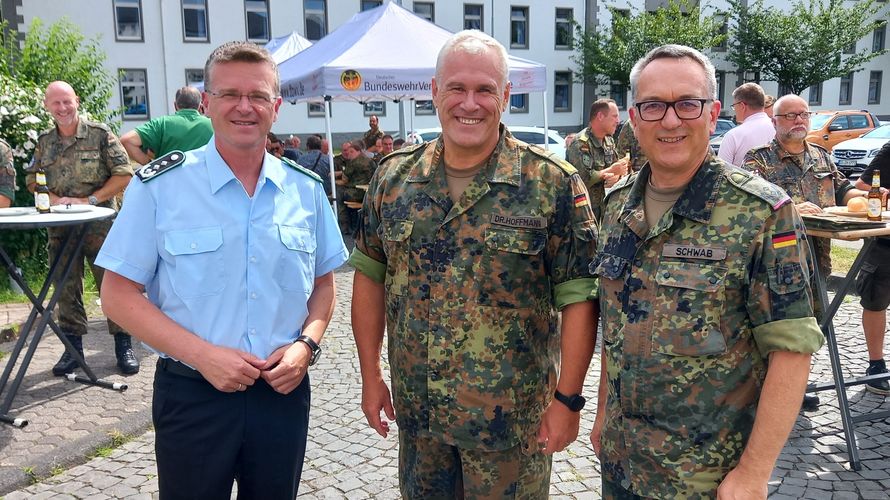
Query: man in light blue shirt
236, 251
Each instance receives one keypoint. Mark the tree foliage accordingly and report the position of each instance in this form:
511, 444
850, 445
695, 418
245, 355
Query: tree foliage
804, 45
605, 54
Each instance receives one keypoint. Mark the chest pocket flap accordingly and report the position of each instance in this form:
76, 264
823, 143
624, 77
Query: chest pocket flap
297, 238
397, 230
608, 266
513, 241
193, 241
705, 278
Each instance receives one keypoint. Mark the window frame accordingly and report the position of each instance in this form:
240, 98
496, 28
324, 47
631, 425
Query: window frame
557, 21
190, 83
424, 110
361, 5
185, 37
874, 92
432, 7
519, 109
317, 113
618, 93
117, 35
481, 15
879, 38
815, 95
324, 16
568, 84
381, 111
525, 21
268, 22
120, 86
848, 82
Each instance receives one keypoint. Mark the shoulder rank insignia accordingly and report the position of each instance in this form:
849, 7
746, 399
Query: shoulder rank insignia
160, 165
299, 168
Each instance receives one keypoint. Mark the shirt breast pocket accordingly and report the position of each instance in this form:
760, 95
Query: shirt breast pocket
296, 266
396, 238
611, 273
687, 309
198, 264
511, 268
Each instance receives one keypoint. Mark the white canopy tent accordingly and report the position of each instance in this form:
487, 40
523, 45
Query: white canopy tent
287, 46
385, 53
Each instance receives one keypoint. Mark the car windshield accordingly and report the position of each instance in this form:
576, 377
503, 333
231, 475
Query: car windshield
879, 133
531, 137
817, 121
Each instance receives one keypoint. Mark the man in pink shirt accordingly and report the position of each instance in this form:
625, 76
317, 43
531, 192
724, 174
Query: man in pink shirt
755, 129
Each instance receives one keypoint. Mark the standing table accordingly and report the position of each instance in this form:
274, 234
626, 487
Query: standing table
827, 324
18, 218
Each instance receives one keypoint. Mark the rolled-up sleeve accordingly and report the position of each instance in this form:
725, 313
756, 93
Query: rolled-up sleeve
572, 245
368, 256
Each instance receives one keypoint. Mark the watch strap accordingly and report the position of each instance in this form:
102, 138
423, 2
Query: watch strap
313, 347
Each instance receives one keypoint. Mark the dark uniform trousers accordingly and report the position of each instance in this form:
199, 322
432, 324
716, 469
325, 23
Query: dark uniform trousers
205, 439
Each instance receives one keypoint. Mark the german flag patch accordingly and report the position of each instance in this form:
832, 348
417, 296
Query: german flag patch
787, 239
581, 200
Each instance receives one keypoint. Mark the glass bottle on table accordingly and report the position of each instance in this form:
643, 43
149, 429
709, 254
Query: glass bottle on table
875, 205
41, 193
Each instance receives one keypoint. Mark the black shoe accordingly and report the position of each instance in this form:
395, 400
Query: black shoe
810, 403
881, 387
67, 364
126, 358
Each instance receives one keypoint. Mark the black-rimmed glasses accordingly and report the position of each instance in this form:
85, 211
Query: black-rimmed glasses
793, 116
685, 109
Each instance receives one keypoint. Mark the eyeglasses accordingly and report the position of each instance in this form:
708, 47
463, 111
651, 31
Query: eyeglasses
733, 105
793, 116
255, 98
686, 109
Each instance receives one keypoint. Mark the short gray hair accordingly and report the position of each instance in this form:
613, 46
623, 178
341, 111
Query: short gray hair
672, 51
240, 51
474, 42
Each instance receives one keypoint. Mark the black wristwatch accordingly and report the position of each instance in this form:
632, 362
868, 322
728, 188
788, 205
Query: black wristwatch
574, 402
315, 348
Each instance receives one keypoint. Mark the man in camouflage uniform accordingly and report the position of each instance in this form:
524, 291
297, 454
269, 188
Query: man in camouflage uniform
706, 305
85, 163
371, 136
468, 247
7, 175
357, 171
593, 153
627, 144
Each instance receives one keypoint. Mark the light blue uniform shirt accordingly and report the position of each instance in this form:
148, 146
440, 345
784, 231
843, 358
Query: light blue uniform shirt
236, 271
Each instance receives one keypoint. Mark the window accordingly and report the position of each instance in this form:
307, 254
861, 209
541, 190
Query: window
518, 27
721, 84
562, 91
375, 108
850, 49
194, 21
256, 13
316, 109
874, 87
519, 103
839, 123
785, 89
877, 41
846, 95
473, 17
722, 18
316, 13
134, 94
425, 10
816, 94
128, 20
564, 29
194, 76
369, 4
618, 93
858, 121
424, 108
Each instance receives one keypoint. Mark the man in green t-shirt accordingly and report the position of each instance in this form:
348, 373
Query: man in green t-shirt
184, 130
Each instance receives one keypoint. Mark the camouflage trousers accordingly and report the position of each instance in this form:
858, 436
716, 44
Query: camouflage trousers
431, 469
614, 491
72, 317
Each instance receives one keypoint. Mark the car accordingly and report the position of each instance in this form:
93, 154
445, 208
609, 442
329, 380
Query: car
723, 126
828, 128
853, 156
531, 135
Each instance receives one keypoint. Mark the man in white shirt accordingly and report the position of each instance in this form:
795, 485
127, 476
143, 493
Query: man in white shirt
755, 129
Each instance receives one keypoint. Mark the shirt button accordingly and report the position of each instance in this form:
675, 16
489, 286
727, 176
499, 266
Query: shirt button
666, 275
788, 281
437, 278
638, 262
253, 331
713, 280
193, 246
253, 295
252, 258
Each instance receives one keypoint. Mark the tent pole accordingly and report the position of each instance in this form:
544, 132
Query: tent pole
402, 118
546, 126
327, 127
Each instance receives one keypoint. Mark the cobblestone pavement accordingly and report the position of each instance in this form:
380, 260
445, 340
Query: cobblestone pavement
345, 459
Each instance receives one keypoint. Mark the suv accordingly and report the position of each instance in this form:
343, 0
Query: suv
828, 128
853, 156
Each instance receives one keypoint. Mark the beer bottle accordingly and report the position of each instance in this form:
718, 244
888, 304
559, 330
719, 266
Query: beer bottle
41, 193
874, 197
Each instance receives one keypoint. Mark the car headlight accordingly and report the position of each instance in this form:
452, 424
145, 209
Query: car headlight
873, 153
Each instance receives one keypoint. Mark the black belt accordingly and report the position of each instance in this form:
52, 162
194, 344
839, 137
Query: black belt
177, 368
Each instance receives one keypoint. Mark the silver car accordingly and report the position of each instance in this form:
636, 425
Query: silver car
854, 155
